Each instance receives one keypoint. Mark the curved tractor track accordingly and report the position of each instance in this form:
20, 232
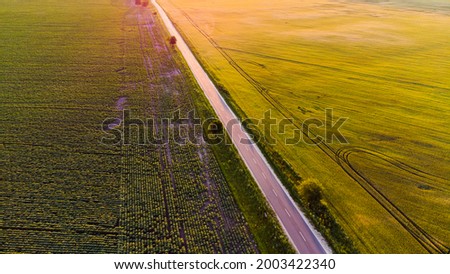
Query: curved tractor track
341, 157
430, 243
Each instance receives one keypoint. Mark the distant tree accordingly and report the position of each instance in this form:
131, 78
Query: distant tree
173, 41
311, 193
215, 127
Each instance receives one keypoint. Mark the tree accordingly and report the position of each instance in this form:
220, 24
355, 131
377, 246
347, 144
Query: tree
215, 127
173, 40
311, 193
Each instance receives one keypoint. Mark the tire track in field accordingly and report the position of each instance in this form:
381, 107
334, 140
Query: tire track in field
163, 151
429, 242
341, 156
361, 74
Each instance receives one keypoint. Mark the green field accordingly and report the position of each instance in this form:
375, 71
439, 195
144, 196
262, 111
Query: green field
384, 66
65, 67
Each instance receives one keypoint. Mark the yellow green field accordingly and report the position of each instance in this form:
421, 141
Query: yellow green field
384, 67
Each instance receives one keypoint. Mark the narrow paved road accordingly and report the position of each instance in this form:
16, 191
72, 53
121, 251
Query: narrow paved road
289, 215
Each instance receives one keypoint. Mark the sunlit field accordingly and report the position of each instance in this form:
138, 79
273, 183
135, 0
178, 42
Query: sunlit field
384, 66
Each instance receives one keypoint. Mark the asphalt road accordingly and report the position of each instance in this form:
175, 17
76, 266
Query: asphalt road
292, 220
